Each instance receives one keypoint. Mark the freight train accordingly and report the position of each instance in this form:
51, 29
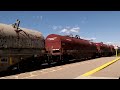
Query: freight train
20, 47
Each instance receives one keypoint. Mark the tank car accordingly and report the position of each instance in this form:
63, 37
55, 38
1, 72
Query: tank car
104, 49
118, 51
17, 44
66, 47
112, 50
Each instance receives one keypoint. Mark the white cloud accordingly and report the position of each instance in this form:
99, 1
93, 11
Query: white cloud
76, 29
85, 18
108, 42
69, 30
56, 27
41, 17
65, 31
113, 43
60, 27
91, 39
116, 44
38, 17
82, 21
68, 27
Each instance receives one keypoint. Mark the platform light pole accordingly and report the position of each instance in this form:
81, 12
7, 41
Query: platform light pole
116, 52
116, 49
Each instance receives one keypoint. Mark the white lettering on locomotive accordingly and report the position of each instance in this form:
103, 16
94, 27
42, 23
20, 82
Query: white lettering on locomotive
69, 39
51, 38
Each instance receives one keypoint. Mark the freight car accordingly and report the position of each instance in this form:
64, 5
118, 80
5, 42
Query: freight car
105, 50
118, 51
112, 50
65, 47
17, 44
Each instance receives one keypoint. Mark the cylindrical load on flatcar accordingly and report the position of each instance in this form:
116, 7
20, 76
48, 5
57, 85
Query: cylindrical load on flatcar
23, 38
17, 44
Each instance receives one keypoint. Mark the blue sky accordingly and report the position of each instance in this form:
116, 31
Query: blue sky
97, 25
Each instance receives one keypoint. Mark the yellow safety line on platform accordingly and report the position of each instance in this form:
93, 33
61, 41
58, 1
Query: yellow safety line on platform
100, 68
